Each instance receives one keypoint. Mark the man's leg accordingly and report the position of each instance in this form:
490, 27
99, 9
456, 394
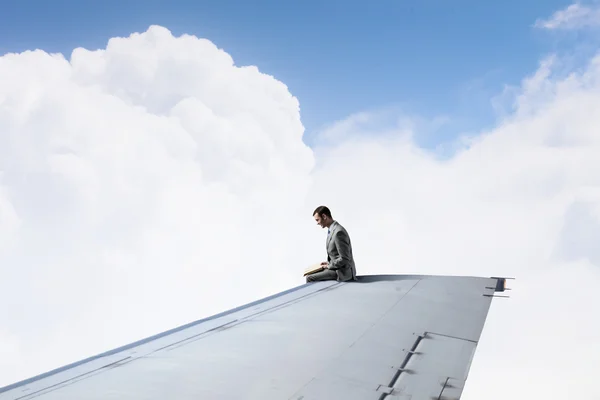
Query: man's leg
325, 275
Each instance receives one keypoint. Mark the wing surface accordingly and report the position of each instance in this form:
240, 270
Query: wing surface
392, 337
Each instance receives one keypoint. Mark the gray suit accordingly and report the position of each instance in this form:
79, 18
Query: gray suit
340, 260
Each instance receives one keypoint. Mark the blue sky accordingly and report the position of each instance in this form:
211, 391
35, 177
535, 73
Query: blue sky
428, 58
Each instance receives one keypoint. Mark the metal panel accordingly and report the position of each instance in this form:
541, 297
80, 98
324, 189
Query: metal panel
323, 340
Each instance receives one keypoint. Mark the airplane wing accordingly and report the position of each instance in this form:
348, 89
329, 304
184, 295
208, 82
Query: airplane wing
392, 337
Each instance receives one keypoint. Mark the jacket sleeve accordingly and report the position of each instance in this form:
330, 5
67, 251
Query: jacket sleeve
342, 244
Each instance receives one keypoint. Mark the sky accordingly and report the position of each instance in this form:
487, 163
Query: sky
160, 163
437, 60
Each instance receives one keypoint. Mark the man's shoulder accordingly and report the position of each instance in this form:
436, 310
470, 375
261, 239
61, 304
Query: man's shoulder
339, 227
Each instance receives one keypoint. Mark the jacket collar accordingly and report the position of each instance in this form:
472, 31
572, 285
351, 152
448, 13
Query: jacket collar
330, 230
332, 226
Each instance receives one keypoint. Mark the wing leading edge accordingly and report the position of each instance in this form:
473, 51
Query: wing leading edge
392, 337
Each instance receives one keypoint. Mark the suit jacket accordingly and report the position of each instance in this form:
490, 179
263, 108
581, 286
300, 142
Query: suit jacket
339, 253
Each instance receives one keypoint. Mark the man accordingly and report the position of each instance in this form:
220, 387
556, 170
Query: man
340, 261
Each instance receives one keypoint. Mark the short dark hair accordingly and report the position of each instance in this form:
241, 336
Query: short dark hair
322, 210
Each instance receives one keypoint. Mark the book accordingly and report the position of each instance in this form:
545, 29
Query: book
313, 269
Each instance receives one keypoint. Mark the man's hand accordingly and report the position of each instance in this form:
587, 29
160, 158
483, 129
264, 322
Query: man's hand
324, 264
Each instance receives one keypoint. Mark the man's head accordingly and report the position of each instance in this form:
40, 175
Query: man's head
323, 216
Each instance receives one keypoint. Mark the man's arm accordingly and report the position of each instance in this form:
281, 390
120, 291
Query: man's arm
342, 243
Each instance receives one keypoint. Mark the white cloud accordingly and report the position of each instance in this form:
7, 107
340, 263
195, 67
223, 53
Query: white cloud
154, 182
574, 16
9, 221
144, 184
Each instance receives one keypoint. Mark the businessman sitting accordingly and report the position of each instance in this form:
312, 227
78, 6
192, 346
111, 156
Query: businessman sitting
340, 261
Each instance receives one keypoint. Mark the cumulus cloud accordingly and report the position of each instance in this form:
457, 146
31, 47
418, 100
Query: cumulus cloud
143, 186
574, 16
154, 182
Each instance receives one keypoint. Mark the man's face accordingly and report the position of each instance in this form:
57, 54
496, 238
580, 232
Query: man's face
321, 220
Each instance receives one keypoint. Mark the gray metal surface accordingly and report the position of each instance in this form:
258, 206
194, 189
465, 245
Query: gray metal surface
383, 337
